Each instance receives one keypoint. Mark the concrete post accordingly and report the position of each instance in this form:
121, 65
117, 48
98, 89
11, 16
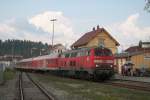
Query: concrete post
1, 73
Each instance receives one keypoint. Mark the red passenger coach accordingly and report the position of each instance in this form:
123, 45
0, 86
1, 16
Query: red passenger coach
86, 63
43, 63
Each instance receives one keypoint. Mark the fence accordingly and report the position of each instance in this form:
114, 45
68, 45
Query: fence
2, 68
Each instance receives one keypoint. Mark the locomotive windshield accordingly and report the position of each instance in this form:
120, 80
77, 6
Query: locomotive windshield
102, 52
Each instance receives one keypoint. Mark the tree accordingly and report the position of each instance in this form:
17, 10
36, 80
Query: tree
147, 6
21, 47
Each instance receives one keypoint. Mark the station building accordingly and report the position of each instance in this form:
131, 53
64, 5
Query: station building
57, 48
97, 37
139, 56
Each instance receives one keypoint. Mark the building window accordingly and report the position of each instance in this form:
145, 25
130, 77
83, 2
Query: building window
101, 42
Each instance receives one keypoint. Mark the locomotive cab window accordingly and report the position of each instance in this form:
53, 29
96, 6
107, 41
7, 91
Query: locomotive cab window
83, 53
102, 52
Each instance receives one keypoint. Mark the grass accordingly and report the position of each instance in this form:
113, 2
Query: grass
9, 74
92, 90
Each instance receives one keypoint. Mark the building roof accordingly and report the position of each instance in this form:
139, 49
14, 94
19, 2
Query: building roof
55, 46
121, 55
10, 57
134, 49
90, 35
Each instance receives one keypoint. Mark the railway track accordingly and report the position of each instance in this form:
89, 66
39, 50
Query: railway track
47, 94
137, 85
21, 94
41, 88
143, 86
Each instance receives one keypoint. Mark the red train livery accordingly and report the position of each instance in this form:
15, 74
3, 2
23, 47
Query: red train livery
94, 63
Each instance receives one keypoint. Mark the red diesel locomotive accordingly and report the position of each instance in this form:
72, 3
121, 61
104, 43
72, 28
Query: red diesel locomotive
96, 63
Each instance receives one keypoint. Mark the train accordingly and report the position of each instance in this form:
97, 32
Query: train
88, 63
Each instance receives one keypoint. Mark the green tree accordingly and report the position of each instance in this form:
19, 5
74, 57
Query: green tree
147, 6
21, 48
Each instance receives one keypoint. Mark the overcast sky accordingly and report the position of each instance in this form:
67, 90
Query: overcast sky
125, 20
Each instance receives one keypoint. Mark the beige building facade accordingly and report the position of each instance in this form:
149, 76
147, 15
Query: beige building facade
141, 60
139, 56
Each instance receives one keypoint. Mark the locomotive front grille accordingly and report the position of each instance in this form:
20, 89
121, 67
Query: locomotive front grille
100, 66
103, 61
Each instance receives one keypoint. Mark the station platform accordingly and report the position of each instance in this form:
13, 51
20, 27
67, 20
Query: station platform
132, 78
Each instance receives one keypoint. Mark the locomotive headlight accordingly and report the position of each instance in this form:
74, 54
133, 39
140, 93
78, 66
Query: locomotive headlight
111, 66
97, 65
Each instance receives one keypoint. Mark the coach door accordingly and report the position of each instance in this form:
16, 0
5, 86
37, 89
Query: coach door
44, 64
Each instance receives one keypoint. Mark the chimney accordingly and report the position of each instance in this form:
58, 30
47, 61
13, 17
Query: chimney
93, 28
98, 27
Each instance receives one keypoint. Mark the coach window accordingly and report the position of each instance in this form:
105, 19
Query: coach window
83, 53
87, 53
78, 54
63, 55
71, 55
67, 55
74, 54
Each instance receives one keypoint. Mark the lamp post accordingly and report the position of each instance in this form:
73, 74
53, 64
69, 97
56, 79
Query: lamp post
53, 20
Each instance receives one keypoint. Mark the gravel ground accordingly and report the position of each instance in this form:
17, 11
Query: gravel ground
68, 89
61, 94
71, 89
8, 90
31, 91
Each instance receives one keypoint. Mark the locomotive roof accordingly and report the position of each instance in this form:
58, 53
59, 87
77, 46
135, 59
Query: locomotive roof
46, 56
82, 49
75, 50
25, 60
55, 55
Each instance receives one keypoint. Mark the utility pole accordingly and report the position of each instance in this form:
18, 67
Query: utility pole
53, 20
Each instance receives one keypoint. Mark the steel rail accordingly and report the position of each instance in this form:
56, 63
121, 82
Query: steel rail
21, 94
41, 88
130, 85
